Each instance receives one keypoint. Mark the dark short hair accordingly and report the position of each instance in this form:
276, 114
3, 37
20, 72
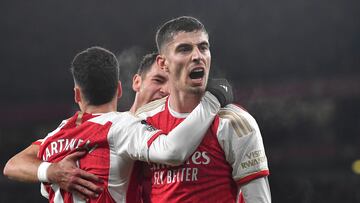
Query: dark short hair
146, 63
96, 71
181, 24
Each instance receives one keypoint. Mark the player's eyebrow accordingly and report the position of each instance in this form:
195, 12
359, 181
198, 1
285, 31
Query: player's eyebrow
189, 45
204, 43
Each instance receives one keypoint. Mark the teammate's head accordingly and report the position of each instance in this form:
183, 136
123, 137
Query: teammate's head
170, 28
150, 82
184, 49
146, 64
96, 72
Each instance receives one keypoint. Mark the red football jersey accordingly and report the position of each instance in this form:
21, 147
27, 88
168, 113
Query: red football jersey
113, 140
230, 154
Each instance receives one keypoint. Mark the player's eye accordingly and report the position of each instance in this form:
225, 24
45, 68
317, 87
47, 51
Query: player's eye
204, 47
184, 48
158, 80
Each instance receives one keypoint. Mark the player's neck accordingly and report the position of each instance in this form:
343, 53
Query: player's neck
104, 108
183, 102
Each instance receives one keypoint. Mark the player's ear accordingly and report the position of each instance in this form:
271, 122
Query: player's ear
77, 94
162, 62
119, 90
136, 84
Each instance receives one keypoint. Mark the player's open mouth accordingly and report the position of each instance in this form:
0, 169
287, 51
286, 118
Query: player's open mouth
197, 73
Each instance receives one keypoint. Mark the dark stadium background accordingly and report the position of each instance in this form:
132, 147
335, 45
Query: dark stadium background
294, 65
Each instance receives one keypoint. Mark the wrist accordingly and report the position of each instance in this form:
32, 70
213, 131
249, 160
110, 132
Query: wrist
42, 171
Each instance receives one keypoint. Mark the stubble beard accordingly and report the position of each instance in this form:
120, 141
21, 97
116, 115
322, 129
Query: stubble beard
196, 90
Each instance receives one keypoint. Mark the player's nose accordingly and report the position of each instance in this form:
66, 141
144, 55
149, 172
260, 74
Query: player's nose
196, 55
164, 91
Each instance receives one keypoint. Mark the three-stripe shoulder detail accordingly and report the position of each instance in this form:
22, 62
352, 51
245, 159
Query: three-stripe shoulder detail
151, 106
238, 118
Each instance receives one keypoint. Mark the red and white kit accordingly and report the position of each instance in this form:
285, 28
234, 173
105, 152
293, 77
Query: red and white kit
230, 154
113, 141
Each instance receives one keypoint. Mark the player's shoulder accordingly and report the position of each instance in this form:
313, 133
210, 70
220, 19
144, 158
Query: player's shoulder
116, 122
60, 127
240, 119
64, 124
112, 117
151, 108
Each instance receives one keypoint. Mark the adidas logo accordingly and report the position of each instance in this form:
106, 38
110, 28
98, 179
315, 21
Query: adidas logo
225, 87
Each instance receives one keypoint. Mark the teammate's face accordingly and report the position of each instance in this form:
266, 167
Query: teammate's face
187, 60
153, 86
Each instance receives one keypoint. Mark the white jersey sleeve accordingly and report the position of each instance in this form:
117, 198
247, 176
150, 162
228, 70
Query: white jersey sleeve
129, 135
240, 137
43, 191
145, 143
62, 124
257, 191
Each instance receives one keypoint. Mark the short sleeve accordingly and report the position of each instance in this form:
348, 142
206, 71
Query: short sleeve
39, 142
240, 137
62, 124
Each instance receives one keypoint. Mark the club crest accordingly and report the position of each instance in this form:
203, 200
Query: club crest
149, 127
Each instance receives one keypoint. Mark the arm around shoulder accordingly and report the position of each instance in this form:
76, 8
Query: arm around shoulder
183, 140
